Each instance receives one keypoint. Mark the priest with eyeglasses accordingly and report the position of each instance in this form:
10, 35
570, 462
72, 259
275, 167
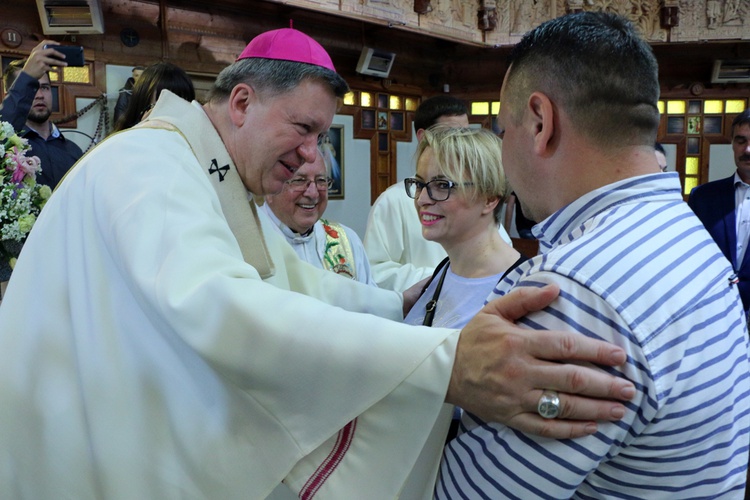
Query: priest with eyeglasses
296, 213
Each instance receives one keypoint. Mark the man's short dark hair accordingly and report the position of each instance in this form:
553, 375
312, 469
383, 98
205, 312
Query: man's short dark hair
597, 68
658, 147
11, 73
741, 119
272, 77
431, 109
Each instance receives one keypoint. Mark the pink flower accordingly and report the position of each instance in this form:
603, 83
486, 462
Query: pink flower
24, 165
31, 165
18, 176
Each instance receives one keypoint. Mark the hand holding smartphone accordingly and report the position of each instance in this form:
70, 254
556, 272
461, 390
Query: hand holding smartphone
73, 53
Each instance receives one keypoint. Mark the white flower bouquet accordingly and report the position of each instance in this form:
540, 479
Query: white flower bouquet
21, 198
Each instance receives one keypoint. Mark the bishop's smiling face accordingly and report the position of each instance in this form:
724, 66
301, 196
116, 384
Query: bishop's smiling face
279, 134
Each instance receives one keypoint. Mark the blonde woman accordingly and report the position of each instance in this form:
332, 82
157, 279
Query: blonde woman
458, 193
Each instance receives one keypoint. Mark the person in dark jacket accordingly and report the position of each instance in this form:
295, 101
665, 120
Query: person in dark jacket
27, 106
724, 207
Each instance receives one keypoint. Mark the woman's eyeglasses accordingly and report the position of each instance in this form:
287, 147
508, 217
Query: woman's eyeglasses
437, 189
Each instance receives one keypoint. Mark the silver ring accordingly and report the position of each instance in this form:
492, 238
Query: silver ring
549, 405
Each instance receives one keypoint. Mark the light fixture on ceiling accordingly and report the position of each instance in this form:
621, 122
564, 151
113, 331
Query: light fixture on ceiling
75, 17
375, 62
731, 71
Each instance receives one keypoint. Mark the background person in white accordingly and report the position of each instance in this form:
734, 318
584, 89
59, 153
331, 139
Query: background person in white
173, 359
296, 214
399, 255
635, 267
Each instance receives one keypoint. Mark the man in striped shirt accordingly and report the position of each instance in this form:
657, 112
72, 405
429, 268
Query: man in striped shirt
635, 267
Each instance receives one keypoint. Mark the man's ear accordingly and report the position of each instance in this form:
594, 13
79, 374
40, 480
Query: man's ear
541, 113
240, 100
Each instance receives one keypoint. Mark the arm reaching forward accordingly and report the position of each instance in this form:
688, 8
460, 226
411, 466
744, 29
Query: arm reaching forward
506, 388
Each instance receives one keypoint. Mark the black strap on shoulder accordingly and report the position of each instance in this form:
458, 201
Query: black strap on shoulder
442, 264
431, 306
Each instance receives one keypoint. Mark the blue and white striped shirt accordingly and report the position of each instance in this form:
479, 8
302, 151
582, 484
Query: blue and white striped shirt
636, 268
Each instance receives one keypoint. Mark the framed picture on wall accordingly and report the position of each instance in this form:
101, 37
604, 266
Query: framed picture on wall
368, 118
6, 60
382, 120
383, 142
397, 121
333, 155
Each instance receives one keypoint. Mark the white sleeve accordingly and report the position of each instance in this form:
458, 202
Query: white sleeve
364, 271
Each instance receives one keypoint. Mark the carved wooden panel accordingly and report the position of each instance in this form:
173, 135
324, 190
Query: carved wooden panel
712, 20
457, 19
693, 124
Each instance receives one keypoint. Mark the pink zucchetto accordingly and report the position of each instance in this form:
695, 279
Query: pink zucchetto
287, 44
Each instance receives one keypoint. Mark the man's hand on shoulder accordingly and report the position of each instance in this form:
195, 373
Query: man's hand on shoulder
501, 371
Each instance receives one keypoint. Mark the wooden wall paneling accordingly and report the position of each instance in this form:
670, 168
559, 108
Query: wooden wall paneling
727, 130
68, 93
679, 140
404, 135
382, 173
680, 156
706, 139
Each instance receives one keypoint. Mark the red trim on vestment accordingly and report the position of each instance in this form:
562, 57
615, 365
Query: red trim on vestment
334, 458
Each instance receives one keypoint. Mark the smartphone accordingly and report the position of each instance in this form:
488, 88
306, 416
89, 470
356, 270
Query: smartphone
73, 53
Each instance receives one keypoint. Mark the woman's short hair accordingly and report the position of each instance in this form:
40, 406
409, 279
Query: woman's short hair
468, 155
